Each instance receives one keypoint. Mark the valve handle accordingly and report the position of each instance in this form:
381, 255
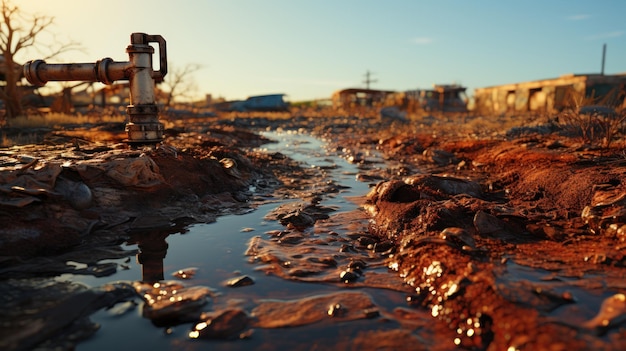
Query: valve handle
160, 74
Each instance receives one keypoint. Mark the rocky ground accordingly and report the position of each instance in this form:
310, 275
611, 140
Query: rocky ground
509, 237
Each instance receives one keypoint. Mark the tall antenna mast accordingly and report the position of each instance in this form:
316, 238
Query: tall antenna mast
368, 80
603, 58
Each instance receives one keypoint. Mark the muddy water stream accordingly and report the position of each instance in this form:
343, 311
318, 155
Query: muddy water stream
217, 251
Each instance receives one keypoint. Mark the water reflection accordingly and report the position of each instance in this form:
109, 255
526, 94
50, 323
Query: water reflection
152, 252
218, 249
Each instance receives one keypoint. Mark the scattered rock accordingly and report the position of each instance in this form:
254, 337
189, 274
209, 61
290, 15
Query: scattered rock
348, 276
612, 314
185, 273
487, 224
237, 282
315, 309
439, 157
171, 303
223, 324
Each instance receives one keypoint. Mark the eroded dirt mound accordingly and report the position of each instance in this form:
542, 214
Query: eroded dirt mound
557, 213
57, 196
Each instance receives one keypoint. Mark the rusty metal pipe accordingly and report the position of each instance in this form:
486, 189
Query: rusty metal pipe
143, 126
105, 71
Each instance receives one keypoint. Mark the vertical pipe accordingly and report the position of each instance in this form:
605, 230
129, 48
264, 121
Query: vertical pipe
141, 82
143, 126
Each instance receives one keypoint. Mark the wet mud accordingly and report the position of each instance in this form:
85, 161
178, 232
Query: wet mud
488, 241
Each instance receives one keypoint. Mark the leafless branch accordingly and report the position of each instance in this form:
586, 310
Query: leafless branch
179, 82
19, 32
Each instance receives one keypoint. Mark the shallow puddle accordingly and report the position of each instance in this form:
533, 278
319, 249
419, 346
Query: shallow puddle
215, 253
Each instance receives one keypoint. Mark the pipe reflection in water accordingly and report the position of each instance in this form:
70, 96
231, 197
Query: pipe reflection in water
149, 234
152, 252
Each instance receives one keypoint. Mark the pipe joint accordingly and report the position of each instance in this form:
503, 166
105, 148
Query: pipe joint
102, 71
31, 72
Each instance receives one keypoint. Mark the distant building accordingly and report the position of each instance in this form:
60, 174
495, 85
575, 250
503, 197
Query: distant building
551, 95
354, 98
441, 98
271, 102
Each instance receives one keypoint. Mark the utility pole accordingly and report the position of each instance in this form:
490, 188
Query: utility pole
368, 80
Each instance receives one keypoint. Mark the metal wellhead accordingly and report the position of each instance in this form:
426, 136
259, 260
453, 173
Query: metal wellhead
143, 127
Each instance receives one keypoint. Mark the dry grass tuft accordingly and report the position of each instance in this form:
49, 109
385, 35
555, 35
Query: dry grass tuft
28, 129
51, 120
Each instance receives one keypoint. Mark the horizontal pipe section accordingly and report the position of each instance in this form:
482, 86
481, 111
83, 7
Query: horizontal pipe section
105, 71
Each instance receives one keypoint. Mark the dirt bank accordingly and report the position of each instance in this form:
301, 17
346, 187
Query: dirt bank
513, 242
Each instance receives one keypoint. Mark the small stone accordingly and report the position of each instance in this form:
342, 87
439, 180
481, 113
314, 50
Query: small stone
487, 224
416, 300
348, 276
371, 313
185, 273
366, 241
459, 237
335, 310
230, 167
224, 324
357, 265
611, 313
240, 281
298, 220
346, 248
246, 334
384, 246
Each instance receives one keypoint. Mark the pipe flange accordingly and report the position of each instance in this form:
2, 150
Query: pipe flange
144, 127
140, 49
102, 67
30, 71
144, 133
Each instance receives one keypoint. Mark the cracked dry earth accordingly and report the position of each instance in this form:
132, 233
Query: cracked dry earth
497, 242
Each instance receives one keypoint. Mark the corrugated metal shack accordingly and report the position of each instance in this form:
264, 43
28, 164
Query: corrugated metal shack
271, 102
441, 98
354, 99
551, 95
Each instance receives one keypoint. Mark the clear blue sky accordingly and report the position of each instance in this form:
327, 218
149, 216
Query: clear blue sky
309, 49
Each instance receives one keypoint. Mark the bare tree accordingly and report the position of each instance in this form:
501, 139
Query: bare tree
179, 83
18, 32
